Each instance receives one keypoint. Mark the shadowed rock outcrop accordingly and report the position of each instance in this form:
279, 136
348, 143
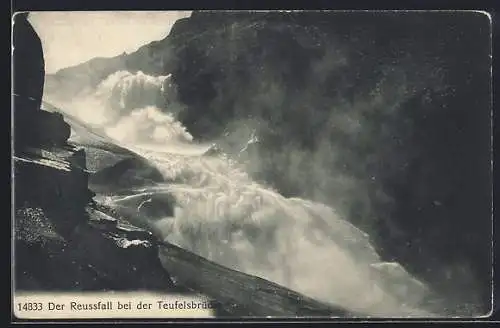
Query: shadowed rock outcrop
29, 65
388, 113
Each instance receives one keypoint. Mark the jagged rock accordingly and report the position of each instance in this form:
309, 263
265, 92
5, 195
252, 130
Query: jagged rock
29, 66
55, 180
91, 257
63, 242
40, 128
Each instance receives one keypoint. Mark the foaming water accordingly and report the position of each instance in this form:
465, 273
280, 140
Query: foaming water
222, 214
127, 107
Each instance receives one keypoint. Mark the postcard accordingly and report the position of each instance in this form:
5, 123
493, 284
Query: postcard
252, 164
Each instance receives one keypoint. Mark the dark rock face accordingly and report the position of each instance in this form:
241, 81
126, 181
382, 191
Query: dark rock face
45, 129
29, 65
402, 101
49, 179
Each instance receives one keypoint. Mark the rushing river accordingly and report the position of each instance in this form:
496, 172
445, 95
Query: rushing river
222, 214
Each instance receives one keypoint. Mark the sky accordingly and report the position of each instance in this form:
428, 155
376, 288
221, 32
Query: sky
71, 38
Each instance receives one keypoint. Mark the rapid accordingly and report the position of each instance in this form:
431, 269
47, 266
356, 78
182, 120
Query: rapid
222, 214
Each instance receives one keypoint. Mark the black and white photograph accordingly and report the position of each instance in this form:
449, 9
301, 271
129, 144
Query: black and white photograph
281, 164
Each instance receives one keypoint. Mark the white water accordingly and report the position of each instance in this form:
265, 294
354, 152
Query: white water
225, 216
